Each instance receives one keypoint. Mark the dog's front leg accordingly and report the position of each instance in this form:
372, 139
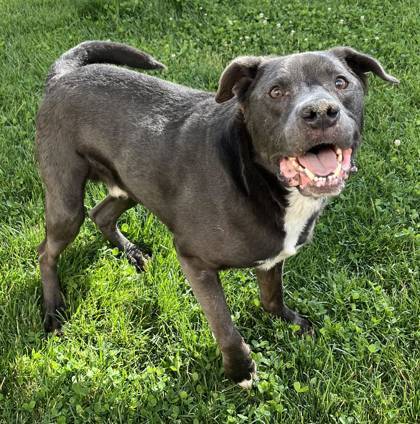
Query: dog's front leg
206, 286
271, 293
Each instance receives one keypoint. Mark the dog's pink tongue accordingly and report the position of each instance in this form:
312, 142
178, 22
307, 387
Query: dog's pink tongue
322, 163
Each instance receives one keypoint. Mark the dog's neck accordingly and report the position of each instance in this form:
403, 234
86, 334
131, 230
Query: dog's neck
253, 180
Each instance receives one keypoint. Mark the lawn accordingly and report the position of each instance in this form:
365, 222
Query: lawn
136, 347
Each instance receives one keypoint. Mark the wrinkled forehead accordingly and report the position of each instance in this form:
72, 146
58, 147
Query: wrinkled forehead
302, 67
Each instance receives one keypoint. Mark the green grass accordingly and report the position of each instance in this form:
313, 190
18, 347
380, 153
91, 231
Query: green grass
137, 348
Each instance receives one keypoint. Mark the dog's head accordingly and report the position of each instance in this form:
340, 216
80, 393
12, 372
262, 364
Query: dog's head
304, 113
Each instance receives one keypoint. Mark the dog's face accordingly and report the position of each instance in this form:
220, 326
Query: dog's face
304, 113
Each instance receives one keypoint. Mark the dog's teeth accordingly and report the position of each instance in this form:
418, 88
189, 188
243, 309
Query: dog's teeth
339, 154
295, 164
309, 174
337, 170
294, 161
320, 181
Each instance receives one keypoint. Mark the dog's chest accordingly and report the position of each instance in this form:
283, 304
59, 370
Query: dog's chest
299, 220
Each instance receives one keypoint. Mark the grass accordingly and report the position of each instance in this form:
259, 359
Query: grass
137, 347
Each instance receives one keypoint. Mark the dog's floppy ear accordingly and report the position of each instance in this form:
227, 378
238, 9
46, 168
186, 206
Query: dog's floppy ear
361, 63
237, 77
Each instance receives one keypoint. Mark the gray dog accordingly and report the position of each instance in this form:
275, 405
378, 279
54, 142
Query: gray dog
239, 177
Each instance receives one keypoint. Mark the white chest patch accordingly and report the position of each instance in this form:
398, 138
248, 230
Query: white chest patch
298, 213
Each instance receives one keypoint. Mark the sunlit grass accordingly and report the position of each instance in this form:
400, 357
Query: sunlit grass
137, 347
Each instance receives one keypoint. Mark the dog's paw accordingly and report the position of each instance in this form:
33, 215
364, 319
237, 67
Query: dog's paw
241, 369
247, 383
305, 326
292, 317
137, 258
53, 320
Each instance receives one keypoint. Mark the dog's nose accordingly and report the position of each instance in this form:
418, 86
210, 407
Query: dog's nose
320, 114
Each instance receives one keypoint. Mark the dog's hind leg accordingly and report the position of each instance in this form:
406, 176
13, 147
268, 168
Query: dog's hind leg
105, 215
64, 214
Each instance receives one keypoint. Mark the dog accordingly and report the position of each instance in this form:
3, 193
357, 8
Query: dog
239, 177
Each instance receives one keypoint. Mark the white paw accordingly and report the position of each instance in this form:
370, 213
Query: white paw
247, 384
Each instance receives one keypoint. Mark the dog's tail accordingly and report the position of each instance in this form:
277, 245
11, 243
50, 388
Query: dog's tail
101, 52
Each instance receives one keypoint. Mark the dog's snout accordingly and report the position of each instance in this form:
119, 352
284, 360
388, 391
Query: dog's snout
320, 114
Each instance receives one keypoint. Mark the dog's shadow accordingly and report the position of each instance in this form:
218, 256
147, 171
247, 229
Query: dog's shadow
22, 317
77, 268
73, 269
27, 338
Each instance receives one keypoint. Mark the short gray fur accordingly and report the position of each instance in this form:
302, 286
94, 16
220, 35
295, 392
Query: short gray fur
205, 164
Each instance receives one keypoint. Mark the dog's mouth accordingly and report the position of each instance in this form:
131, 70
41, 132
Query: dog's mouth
321, 171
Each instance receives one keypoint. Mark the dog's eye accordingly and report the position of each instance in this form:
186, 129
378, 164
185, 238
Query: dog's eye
341, 83
276, 92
